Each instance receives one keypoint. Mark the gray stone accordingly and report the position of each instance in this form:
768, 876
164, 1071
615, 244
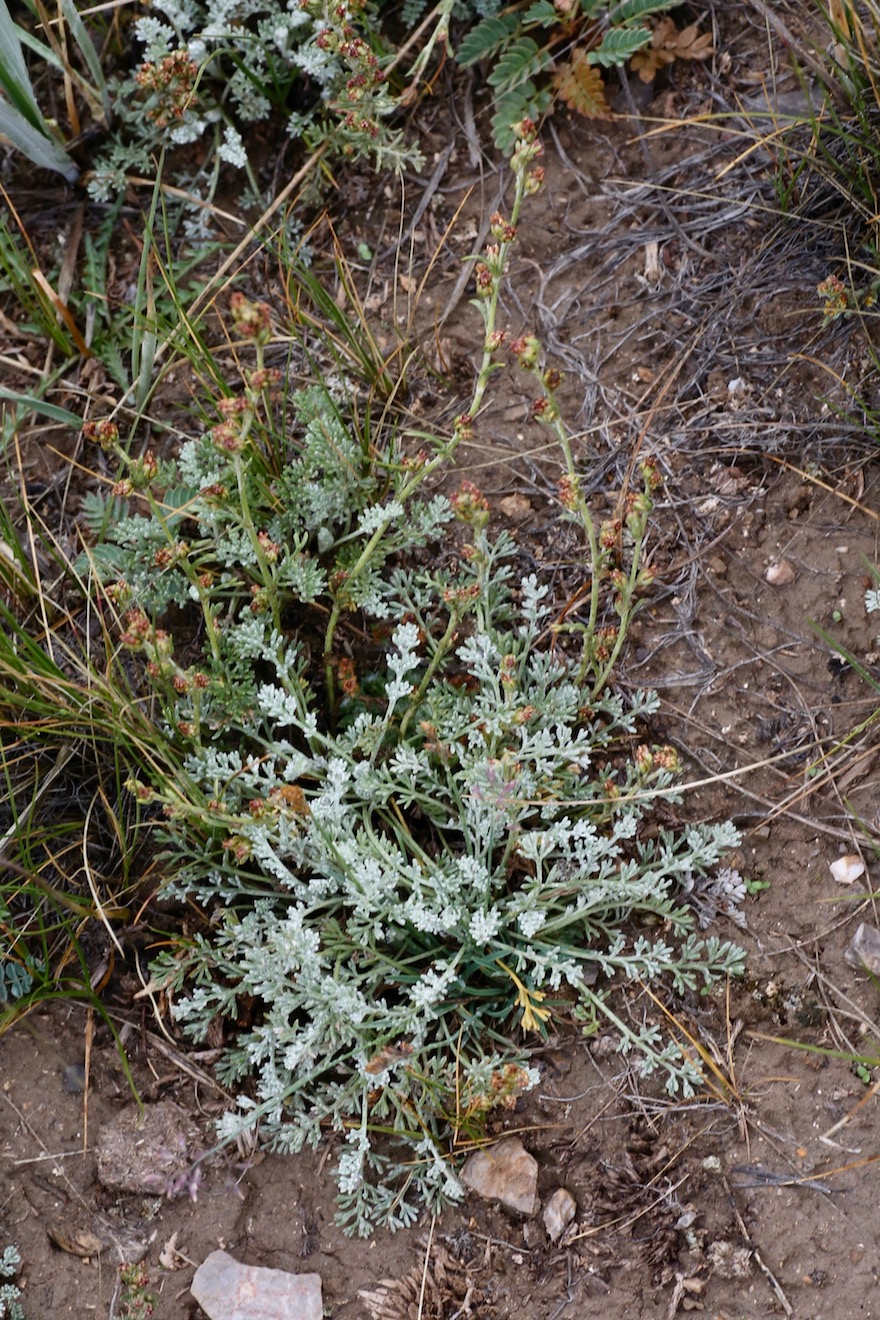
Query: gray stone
226, 1290
505, 1172
559, 1211
863, 952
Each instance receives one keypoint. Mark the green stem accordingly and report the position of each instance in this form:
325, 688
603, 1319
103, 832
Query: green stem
442, 647
489, 311
626, 599
192, 577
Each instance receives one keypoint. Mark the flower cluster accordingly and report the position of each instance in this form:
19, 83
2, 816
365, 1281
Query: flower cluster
170, 84
211, 68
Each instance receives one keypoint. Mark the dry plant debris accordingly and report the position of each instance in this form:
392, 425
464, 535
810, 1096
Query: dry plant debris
579, 84
669, 44
438, 1291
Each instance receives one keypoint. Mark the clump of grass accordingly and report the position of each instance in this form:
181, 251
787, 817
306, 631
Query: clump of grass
828, 156
73, 859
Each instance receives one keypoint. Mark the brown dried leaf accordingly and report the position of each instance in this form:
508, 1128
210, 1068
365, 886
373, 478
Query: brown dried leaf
579, 84
170, 1258
78, 1242
669, 44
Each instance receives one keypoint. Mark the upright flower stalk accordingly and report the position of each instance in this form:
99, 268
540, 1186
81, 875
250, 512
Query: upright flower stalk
489, 272
616, 545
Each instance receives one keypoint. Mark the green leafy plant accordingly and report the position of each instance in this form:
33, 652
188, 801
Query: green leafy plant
827, 155
211, 69
72, 731
576, 40
136, 1302
406, 795
10, 1307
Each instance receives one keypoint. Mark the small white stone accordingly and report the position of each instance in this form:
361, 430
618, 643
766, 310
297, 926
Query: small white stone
226, 1290
847, 869
781, 574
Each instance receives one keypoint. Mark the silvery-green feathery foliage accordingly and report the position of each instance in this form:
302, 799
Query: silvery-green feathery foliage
10, 1306
419, 858
211, 69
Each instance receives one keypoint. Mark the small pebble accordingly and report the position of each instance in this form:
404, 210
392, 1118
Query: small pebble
846, 870
226, 1290
781, 574
505, 1172
559, 1211
863, 952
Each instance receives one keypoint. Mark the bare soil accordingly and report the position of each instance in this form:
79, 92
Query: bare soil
685, 317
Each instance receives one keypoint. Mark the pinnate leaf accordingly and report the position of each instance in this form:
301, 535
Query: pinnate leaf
579, 84
619, 45
628, 11
542, 11
522, 102
487, 38
520, 62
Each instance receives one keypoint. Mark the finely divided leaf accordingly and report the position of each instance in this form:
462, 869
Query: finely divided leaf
524, 101
668, 45
579, 84
487, 38
628, 10
543, 12
520, 61
618, 45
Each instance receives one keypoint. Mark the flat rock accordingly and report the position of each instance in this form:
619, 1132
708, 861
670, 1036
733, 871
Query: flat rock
226, 1290
505, 1172
559, 1211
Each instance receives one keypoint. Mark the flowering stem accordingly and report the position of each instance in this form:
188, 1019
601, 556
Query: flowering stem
443, 646
625, 609
490, 277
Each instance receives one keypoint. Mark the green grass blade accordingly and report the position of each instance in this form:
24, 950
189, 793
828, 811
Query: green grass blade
14, 78
143, 331
41, 150
89, 54
40, 406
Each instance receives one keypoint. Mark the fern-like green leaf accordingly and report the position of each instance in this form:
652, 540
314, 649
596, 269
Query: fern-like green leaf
487, 38
628, 11
542, 12
618, 45
512, 106
412, 11
521, 61
98, 513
